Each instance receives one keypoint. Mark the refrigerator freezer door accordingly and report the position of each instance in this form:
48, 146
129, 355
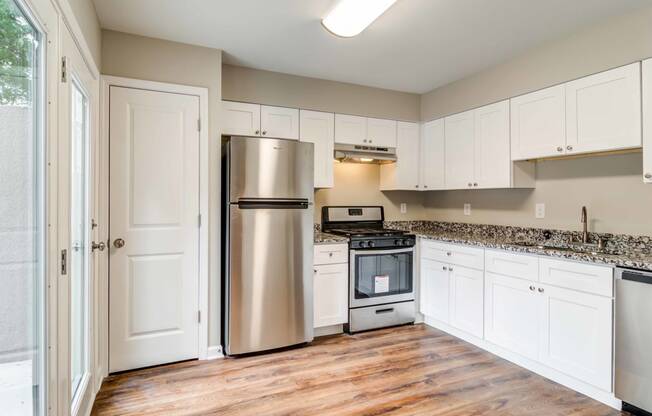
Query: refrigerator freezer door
270, 169
270, 287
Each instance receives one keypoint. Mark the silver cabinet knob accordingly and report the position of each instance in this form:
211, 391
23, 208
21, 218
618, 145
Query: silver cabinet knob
257, 132
425, 186
118, 243
470, 185
569, 147
364, 140
541, 290
98, 246
560, 149
264, 132
330, 254
444, 268
450, 269
416, 186
475, 184
371, 141
648, 176
448, 253
532, 288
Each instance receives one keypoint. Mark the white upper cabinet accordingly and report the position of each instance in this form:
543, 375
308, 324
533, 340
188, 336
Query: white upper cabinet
350, 129
491, 147
381, 132
240, 119
432, 164
603, 111
319, 128
647, 121
459, 150
404, 174
538, 122
279, 122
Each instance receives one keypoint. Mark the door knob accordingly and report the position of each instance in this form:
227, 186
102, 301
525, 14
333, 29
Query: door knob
118, 243
98, 246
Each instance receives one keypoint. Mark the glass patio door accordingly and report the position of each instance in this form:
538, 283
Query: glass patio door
22, 210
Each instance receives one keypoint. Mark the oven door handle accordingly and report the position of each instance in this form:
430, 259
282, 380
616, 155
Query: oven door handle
381, 251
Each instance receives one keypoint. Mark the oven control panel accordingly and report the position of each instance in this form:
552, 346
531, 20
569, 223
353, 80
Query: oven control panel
393, 242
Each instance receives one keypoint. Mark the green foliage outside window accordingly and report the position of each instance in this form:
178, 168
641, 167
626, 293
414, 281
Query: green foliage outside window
17, 46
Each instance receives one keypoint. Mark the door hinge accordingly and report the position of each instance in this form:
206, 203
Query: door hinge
198, 317
199, 124
64, 69
199, 220
64, 261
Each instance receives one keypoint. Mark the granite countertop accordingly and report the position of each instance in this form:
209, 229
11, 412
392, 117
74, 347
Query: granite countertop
621, 257
326, 238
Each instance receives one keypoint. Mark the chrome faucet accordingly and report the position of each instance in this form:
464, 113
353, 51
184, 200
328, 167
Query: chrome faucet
583, 219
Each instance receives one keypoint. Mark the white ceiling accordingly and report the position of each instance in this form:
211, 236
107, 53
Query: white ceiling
417, 45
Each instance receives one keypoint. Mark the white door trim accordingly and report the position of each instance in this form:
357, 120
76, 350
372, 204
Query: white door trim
202, 93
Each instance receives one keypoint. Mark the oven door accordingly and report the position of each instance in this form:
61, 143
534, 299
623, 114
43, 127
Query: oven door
381, 276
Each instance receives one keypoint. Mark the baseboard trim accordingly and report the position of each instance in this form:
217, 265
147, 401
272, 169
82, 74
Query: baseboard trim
602, 396
214, 352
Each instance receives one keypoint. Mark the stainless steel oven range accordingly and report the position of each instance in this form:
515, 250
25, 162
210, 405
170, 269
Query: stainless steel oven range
381, 267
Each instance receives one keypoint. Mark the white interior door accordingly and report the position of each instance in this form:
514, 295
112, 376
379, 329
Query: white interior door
154, 229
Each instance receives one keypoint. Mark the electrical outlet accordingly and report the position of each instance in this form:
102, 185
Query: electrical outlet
540, 210
467, 209
403, 208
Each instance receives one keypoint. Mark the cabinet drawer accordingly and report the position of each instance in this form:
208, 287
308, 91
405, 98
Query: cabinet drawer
331, 253
511, 264
453, 254
588, 278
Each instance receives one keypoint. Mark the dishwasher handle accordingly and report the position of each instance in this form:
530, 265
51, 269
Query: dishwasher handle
638, 276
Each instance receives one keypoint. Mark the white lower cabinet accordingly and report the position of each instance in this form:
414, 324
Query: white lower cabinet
555, 314
435, 289
467, 300
576, 334
330, 285
512, 314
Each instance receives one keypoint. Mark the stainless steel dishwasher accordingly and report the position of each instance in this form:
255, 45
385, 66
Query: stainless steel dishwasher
633, 381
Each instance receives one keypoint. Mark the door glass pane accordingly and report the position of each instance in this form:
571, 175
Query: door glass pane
79, 255
382, 274
21, 215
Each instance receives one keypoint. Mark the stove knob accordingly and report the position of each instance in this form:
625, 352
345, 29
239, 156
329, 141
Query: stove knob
362, 244
371, 244
398, 242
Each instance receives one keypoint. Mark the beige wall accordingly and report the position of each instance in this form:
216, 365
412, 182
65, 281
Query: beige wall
86, 16
609, 44
273, 88
610, 186
160, 60
357, 184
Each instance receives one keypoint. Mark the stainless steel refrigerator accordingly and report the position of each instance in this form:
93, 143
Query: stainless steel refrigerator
267, 264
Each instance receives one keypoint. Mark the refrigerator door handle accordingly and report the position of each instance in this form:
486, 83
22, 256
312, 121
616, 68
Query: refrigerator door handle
273, 204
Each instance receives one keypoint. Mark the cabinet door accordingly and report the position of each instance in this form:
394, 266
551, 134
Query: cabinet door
381, 132
467, 300
404, 174
350, 129
647, 121
330, 299
279, 122
459, 133
433, 156
435, 289
576, 337
603, 111
319, 128
240, 119
538, 122
512, 314
493, 163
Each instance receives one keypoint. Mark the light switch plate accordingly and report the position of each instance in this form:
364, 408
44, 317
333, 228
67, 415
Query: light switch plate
540, 210
467, 209
403, 208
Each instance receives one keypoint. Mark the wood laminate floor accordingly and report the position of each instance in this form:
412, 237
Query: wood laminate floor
411, 370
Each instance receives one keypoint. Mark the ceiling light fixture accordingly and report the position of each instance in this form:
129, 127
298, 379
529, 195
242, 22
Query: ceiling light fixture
350, 17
